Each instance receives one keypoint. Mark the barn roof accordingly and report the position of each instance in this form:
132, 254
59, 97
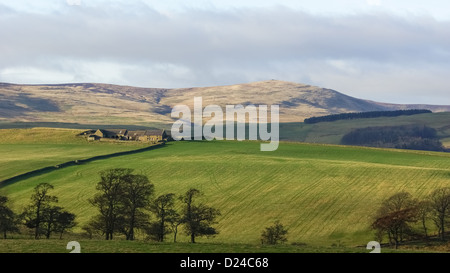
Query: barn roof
117, 131
158, 132
113, 132
136, 133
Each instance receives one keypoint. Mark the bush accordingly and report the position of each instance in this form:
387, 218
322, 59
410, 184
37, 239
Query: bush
274, 234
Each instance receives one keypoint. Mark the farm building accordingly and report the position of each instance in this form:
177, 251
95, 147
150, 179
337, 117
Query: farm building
134, 135
124, 134
112, 133
148, 135
93, 137
87, 133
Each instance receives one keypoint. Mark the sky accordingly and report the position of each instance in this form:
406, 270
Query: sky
394, 51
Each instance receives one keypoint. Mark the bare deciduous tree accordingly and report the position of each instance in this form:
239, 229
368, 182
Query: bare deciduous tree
274, 234
163, 208
440, 205
395, 217
197, 218
137, 194
40, 201
8, 219
109, 200
423, 213
121, 201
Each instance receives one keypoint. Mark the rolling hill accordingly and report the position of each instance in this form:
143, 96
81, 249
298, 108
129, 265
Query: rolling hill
94, 103
332, 132
324, 194
25, 150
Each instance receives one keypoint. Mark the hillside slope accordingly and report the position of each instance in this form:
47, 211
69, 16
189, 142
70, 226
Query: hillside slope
332, 132
25, 150
89, 103
323, 194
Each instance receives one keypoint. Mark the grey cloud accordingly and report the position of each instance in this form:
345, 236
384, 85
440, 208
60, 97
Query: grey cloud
219, 47
242, 34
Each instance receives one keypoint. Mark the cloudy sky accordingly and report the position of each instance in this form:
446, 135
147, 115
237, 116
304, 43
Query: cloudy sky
384, 50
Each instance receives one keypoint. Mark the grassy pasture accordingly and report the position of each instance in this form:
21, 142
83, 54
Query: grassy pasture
140, 246
323, 194
23, 150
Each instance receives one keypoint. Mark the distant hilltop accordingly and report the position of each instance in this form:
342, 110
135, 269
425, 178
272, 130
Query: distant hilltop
94, 103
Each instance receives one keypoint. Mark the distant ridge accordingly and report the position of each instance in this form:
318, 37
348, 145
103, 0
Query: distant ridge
96, 103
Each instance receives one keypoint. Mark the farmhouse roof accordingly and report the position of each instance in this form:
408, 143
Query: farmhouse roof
146, 133
136, 133
112, 132
154, 132
88, 132
118, 131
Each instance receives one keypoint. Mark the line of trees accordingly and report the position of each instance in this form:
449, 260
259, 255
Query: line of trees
125, 203
415, 137
41, 215
371, 114
402, 217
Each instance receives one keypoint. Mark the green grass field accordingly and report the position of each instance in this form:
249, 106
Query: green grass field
24, 150
323, 194
140, 246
